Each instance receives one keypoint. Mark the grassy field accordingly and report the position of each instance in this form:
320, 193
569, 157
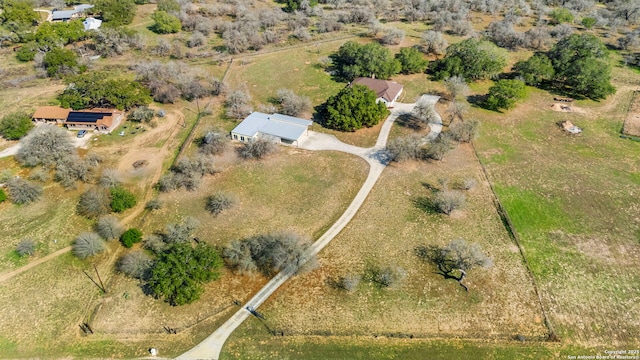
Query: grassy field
308, 305
573, 201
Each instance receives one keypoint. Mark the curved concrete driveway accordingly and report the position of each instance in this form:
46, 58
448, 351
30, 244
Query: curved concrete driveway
210, 347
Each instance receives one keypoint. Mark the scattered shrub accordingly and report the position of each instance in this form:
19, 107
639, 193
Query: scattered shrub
180, 232
141, 114
213, 143
219, 202
88, 244
110, 178
154, 204
155, 243
40, 174
130, 237
26, 247
448, 200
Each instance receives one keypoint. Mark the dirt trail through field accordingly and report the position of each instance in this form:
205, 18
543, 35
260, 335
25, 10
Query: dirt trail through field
139, 150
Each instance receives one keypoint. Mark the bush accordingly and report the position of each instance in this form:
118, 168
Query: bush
465, 131
15, 125
392, 36
88, 244
109, 228
130, 237
71, 169
26, 247
136, 264
186, 173
45, 145
448, 200
292, 104
165, 23
386, 276
94, 203
22, 191
349, 282
219, 202
121, 199
504, 94
437, 149
256, 149
3, 196
40, 174
155, 243
560, 16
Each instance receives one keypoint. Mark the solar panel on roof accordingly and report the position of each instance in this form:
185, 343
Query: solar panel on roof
87, 117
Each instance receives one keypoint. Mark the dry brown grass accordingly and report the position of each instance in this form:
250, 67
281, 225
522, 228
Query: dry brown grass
384, 232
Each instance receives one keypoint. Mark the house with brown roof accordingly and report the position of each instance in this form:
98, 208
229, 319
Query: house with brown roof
51, 114
100, 119
95, 119
386, 91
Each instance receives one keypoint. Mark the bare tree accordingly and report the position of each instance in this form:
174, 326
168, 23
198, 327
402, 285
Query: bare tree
135, 264
180, 232
88, 244
109, 227
256, 149
94, 203
465, 131
434, 42
438, 148
455, 260
292, 104
110, 178
238, 104
196, 39
219, 202
45, 145
213, 142
392, 36
448, 200
424, 111
404, 148
22, 191
456, 85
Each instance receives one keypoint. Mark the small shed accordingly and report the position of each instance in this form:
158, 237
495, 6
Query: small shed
279, 128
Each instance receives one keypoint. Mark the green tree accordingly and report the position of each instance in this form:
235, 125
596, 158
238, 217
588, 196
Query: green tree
589, 22
27, 52
165, 23
411, 61
581, 63
170, 6
471, 59
504, 94
96, 90
60, 33
115, 12
130, 237
3, 196
561, 15
181, 270
18, 12
535, 70
60, 61
121, 199
15, 125
352, 108
353, 60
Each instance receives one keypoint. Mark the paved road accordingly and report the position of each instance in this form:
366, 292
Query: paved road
211, 347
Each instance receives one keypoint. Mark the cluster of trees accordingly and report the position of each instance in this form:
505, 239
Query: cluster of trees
173, 80
353, 108
578, 64
104, 200
471, 59
268, 253
354, 60
98, 90
186, 173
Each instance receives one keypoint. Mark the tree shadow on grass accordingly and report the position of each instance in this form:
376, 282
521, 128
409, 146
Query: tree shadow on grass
425, 204
410, 122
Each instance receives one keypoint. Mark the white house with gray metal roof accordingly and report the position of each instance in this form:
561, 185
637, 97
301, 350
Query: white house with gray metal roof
276, 127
